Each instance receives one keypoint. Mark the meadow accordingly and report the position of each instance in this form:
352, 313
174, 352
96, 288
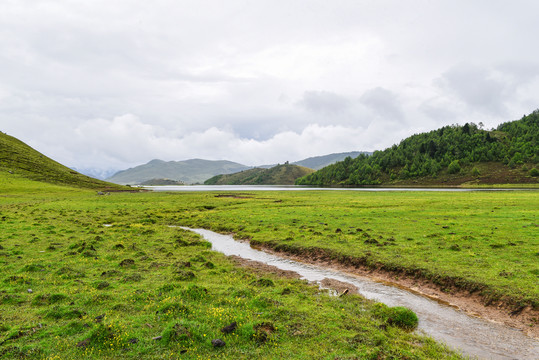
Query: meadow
111, 276
108, 276
485, 242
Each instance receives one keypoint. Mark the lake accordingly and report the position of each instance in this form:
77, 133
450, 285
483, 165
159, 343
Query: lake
295, 188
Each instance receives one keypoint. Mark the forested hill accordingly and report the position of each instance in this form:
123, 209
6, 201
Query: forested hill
285, 174
451, 155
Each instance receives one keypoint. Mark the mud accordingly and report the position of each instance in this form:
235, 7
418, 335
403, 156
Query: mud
526, 319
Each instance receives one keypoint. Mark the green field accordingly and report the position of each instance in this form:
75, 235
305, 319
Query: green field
85, 255
107, 277
484, 241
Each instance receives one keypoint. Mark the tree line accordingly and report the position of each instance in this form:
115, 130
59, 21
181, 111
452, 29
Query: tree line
449, 150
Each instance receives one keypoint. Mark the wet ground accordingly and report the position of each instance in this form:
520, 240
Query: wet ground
470, 335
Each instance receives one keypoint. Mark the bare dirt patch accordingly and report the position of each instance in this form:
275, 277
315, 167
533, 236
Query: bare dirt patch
261, 268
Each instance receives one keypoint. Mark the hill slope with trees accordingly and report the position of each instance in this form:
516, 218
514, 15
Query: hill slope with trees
451, 155
19, 159
285, 174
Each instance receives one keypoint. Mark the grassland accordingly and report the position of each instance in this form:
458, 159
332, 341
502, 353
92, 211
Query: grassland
485, 242
107, 276
20, 160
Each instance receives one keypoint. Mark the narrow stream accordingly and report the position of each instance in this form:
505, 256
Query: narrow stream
472, 336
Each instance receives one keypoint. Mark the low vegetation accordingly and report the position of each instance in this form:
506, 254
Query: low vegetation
111, 276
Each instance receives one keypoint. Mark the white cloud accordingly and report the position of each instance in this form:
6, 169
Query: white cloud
115, 84
127, 140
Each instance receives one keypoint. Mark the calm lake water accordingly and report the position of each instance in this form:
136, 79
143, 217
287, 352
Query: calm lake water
296, 188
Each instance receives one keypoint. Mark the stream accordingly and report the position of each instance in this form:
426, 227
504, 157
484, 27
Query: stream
471, 336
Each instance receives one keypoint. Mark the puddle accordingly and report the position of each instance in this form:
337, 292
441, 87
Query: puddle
472, 336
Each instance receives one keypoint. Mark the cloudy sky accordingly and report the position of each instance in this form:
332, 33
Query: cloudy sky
113, 84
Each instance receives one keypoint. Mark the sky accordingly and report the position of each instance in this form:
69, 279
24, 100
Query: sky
108, 85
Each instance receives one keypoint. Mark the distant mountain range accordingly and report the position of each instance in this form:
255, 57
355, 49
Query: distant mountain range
188, 171
319, 162
97, 173
198, 170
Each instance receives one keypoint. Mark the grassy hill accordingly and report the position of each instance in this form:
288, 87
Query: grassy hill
19, 160
452, 155
187, 171
278, 175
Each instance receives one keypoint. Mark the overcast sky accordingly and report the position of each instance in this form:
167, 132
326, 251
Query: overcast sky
114, 84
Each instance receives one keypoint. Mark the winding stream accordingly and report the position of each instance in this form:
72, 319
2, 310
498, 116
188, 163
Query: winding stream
472, 336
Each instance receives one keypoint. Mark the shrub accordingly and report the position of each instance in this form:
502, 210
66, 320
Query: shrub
403, 318
396, 316
534, 172
454, 167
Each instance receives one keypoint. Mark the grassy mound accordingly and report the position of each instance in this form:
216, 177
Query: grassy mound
17, 158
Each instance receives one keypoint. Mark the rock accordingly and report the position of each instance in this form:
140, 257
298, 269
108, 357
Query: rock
30, 291
229, 328
157, 338
99, 318
132, 341
218, 343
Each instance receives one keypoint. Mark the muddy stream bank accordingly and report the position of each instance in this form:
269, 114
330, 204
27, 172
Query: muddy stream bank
470, 335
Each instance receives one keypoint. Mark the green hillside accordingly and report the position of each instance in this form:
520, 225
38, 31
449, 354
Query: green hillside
187, 171
19, 160
451, 155
278, 175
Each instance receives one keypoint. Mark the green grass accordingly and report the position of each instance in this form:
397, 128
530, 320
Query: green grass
107, 277
20, 160
485, 242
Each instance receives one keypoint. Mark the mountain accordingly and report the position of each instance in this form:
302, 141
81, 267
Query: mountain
159, 182
19, 159
451, 155
285, 174
319, 162
96, 173
187, 171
